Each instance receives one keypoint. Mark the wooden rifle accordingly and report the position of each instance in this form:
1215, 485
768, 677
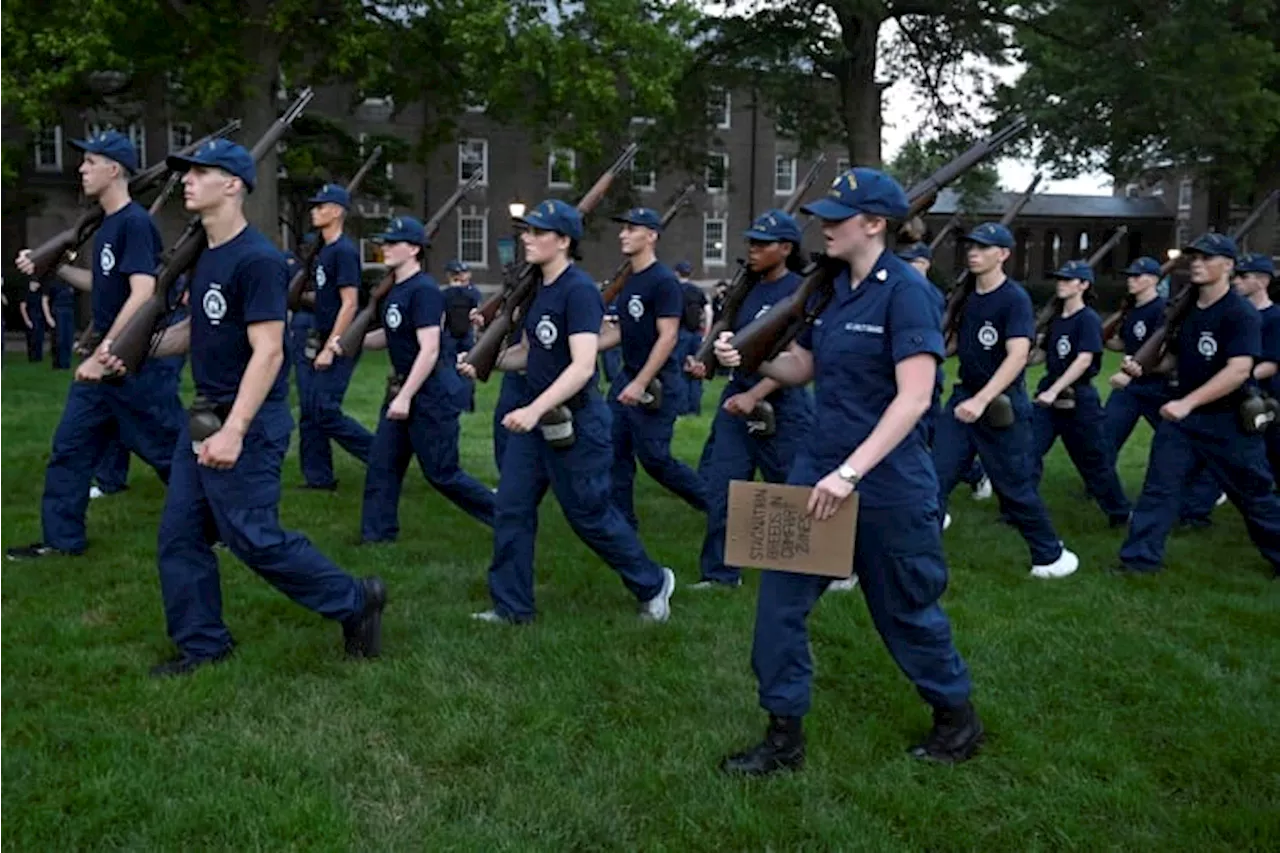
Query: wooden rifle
952, 224
352, 339
619, 279
142, 331
525, 277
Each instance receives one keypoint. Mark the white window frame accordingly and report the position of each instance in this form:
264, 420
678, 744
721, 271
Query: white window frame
387, 101
365, 245
724, 120
477, 108
561, 154
387, 168
711, 260
483, 218
191, 134
706, 178
651, 182
40, 164
1186, 193
1132, 190
484, 159
778, 161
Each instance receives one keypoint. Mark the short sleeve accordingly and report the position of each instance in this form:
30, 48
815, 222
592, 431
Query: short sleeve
1090, 333
584, 310
1244, 333
263, 285
426, 307
347, 266
1019, 320
141, 250
804, 339
914, 323
668, 299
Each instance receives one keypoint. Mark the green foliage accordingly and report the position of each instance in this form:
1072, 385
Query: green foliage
919, 158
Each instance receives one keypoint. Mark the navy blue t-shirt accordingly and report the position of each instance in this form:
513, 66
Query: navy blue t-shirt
857, 342
1068, 337
1140, 322
1270, 344
1228, 328
991, 320
762, 296
413, 304
241, 282
126, 244
649, 294
337, 266
570, 305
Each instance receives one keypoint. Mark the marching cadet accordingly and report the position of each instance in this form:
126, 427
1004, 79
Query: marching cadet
694, 322
425, 395
1067, 404
227, 464
59, 306
559, 435
1215, 348
461, 299
993, 340
649, 310
301, 321
873, 354
325, 371
145, 408
1253, 274
33, 317
740, 443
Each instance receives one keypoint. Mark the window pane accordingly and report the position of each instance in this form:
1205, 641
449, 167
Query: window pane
784, 175
717, 170
713, 245
472, 238
472, 154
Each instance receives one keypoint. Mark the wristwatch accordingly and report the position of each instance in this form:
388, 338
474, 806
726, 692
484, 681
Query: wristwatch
850, 476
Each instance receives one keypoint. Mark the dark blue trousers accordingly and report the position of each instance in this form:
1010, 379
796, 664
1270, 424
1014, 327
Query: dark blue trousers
736, 455
1210, 440
1084, 435
687, 345
240, 507
642, 434
1006, 457
579, 477
64, 336
510, 397
35, 335
902, 573
112, 471
296, 341
323, 420
972, 475
430, 433
611, 364
147, 415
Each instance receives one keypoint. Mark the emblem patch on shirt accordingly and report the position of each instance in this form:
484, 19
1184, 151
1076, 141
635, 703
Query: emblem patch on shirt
1140, 330
635, 307
763, 310
393, 316
988, 336
214, 304
108, 259
1207, 346
546, 332
320, 277
1064, 346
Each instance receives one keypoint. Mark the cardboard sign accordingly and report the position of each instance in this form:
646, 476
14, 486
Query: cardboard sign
770, 528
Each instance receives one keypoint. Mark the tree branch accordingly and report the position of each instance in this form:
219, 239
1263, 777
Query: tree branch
951, 13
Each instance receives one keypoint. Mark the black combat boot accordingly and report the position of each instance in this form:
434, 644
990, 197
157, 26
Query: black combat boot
362, 633
782, 749
956, 735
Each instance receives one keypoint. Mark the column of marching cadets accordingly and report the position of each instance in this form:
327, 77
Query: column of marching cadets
875, 420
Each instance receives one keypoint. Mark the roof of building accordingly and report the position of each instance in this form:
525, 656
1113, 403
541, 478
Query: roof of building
1052, 206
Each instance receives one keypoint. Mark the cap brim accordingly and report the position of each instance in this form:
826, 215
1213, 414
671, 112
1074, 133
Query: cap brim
830, 210
84, 145
656, 226
182, 162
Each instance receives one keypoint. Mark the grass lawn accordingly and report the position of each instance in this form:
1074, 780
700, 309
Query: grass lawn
1124, 713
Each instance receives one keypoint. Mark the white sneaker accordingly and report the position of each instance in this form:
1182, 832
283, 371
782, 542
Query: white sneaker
1222, 498
1066, 564
982, 491
658, 608
946, 521
95, 493
490, 616
844, 584
701, 585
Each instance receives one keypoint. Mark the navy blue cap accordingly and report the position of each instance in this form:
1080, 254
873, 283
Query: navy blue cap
1074, 269
1143, 266
331, 193
456, 266
683, 268
555, 215
916, 251
774, 226
645, 217
404, 229
219, 154
1213, 244
991, 234
861, 190
1256, 262
112, 144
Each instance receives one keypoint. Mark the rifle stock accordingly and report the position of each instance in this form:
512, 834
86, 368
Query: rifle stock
134, 342
352, 339
923, 194
952, 224
619, 279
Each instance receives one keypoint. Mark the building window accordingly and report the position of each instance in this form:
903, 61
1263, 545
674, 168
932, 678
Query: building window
387, 168
1180, 236
1131, 190
1053, 252
1135, 247
561, 163
643, 174
1082, 244
1025, 243
138, 136
473, 155
714, 251
478, 108
48, 147
370, 252
720, 109
180, 135
1185, 190
784, 175
842, 165
473, 239
717, 176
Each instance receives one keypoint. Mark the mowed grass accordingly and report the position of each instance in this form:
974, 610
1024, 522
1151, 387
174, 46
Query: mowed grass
1124, 713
